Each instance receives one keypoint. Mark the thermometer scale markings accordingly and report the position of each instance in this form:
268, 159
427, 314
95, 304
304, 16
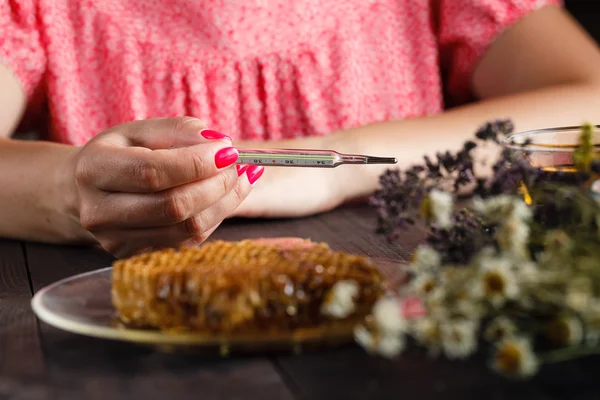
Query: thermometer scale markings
299, 159
307, 158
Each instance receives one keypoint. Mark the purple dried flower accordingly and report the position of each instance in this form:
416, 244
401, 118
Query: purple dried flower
400, 194
447, 161
458, 245
434, 169
398, 200
468, 146
491, 130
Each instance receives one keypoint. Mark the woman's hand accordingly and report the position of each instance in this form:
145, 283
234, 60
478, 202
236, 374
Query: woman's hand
293, 192
156, 183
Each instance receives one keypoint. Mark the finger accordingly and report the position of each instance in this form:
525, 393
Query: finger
216, 213
140, 170
134, 210
194, 230
146, 240
197, 241
252, 207
160, 133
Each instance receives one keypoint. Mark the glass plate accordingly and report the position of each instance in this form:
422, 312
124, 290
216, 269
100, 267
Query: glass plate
82, 304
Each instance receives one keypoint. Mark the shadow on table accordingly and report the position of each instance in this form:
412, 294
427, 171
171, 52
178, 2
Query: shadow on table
344, 372
350, 373
80, 367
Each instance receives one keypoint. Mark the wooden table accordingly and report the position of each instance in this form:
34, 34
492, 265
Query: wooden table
41, 362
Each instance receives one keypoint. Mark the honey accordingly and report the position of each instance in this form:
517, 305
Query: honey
250, 286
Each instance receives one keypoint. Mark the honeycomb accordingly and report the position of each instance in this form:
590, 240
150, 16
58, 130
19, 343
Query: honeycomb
249, 286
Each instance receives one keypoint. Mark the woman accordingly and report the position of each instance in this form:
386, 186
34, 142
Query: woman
356, 76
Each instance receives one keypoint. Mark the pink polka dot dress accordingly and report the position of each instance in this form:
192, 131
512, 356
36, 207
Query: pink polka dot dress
253, 69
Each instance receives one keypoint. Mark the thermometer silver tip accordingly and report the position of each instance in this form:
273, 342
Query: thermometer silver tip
381, 160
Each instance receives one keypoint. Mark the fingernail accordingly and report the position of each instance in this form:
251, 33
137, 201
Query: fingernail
254, 172
214, 135
241, 169
226, 157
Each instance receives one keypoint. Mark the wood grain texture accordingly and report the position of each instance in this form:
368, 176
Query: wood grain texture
350, 229
87, 368
84, 368
350, 373
20, 351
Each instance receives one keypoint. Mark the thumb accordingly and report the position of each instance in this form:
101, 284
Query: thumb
162, 133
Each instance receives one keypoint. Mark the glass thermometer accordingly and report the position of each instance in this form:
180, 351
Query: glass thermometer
306, 158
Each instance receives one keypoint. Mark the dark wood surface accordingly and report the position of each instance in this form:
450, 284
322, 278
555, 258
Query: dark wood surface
38, 361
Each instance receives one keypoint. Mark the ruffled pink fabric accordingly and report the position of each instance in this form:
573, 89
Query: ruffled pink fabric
257, 69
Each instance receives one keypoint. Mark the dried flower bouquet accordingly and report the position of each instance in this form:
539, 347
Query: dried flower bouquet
511, 271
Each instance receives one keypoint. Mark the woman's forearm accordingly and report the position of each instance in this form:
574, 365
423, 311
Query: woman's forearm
36, 195
36, 199
527, 75
410, 140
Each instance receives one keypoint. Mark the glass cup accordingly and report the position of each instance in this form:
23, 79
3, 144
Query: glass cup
551, 150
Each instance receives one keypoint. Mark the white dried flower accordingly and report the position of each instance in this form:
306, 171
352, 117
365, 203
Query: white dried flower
339, 302
426, 257
592, 338
435, 303
496, 281
423, 284
459, 338
485, 253
502, 207
565, 331
386, 335
579, 293
527, 271
499, 329
441, 204
468, 308
495, 206
385, 345
390, 345
527, 274
428, 332
592, 314
364, 338
559, 242
387, 316
521, 210
513, 236
513, 215
514, 357
576, 300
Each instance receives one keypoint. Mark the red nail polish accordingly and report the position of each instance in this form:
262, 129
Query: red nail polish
254, 172
226, 157
214, 135
241, 169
